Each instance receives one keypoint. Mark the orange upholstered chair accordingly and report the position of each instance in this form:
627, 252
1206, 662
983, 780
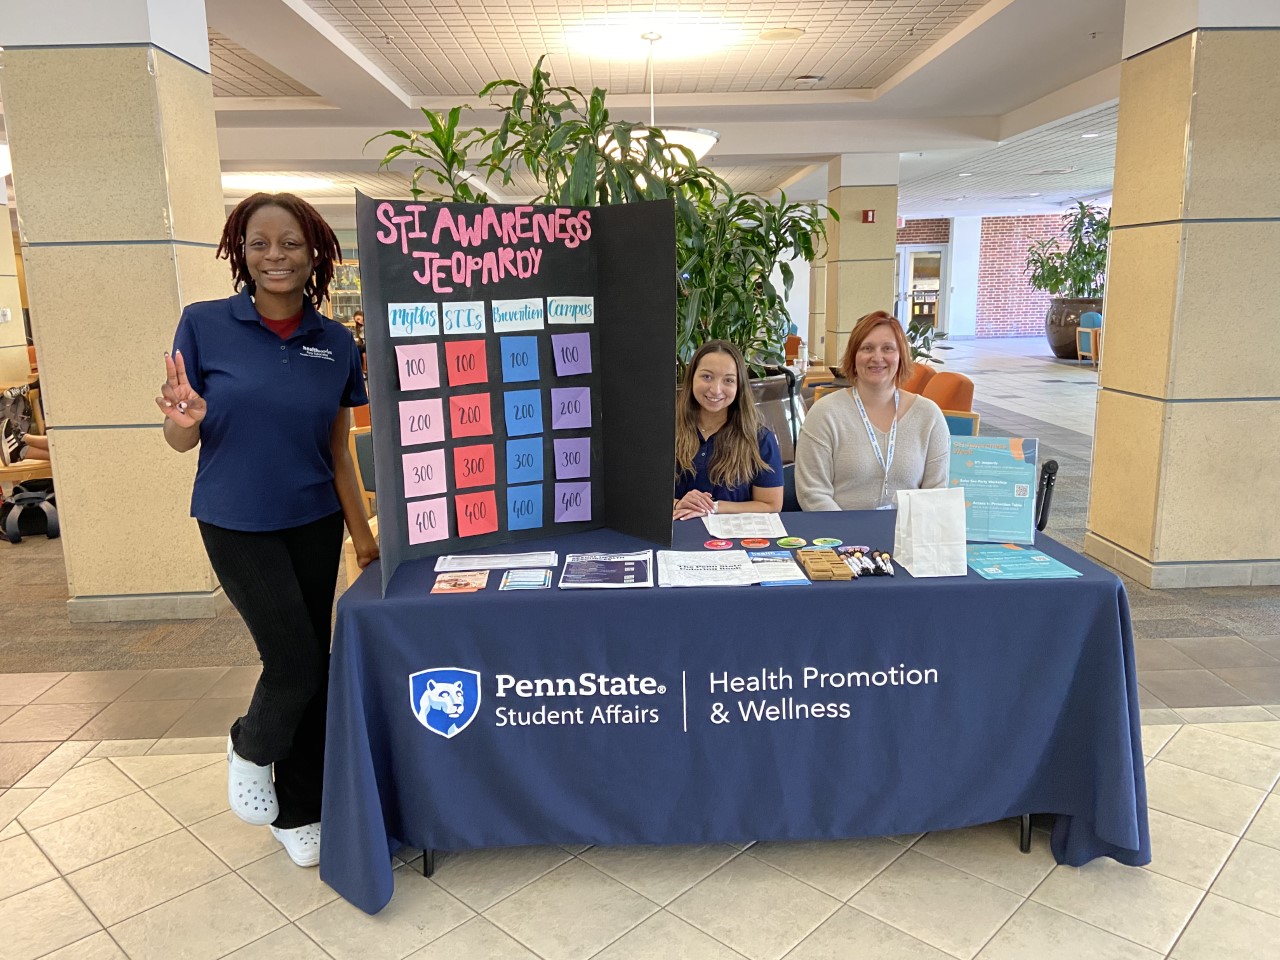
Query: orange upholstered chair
922, 374
950, 391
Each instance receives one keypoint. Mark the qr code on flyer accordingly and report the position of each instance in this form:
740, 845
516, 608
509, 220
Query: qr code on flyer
1021, 490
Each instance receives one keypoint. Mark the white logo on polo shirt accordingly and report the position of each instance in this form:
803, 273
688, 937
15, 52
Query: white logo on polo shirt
315, 353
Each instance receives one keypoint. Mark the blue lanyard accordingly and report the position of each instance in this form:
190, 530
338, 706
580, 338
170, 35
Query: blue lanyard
885, 460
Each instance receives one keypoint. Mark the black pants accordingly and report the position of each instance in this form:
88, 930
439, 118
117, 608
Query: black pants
282, 583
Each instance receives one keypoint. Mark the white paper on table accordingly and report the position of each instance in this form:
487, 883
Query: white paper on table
701, 568
607, 570
496, 561
735, 526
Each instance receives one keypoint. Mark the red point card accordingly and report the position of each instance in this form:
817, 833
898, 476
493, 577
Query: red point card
477, 513
469, 416
473, 466
466, 362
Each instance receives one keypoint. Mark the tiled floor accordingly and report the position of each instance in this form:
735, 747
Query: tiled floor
115, 838
125, 848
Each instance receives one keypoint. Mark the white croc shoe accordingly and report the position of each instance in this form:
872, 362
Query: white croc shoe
250, 791
301, 843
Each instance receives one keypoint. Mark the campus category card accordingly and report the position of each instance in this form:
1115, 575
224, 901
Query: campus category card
571, 309
572, 352
509, 315
524, 460
419, 366
421, 421
466, 362
524, 507
523, 410
413, 319
573, 457
473, 466
477, 513
519, 359
428, 520
573, 502
469, 416
570, 408
463, 317
424, 473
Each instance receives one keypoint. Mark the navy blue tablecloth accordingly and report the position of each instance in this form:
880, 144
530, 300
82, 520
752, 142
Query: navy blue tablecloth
868, 708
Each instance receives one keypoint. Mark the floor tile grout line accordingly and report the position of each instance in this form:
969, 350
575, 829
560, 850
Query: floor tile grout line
788, 873
1175, 763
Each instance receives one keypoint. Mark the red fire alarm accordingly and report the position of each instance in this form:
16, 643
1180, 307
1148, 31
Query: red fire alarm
868, 216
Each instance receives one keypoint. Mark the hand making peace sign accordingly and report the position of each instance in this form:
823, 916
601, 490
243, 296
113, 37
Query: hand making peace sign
178, 400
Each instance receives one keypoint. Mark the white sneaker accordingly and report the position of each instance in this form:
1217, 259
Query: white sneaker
301, 843
250, 791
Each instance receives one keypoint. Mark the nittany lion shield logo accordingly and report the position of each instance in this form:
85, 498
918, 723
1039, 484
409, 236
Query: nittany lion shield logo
445, 700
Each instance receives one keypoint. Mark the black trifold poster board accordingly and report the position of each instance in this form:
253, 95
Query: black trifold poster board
521, 371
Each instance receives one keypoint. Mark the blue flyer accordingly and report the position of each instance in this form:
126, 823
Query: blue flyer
1008, 561
998, 475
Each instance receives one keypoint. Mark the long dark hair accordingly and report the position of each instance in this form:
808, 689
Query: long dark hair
319, 237
737, 457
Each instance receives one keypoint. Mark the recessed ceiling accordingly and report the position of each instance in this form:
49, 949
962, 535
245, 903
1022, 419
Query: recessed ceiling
238, 73
453, 47
1057, 163
394, 184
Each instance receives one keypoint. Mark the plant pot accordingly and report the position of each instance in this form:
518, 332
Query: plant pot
1062, 321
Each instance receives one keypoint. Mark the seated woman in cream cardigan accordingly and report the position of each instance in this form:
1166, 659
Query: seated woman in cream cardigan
862, 445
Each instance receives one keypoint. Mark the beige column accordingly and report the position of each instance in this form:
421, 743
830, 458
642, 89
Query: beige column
817, 308
860, 259
109, 113
13, 334
1186, 460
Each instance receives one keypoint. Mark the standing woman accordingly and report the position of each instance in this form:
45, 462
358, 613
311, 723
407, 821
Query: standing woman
260, 382
726, 461
860, 446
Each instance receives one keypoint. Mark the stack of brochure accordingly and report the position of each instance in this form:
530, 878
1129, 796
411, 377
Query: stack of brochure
1008, 561
607, 570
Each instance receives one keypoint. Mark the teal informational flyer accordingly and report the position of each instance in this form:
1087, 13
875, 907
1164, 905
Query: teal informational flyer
1008, 561
998, 475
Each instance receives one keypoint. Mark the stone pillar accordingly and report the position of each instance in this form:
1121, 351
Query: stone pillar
13, 334
109, 112
817, 337
1186, 461
860, 261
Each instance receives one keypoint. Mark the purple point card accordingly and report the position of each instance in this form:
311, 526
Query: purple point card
570, 408
573, 458
572, 352
573, 501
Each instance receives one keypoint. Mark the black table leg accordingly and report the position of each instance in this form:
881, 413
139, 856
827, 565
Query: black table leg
1024, 834
428, 862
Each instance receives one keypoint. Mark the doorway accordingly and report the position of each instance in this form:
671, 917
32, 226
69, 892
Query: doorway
919, 284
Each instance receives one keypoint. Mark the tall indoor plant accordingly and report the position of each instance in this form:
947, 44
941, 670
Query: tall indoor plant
1073, 276
727, 244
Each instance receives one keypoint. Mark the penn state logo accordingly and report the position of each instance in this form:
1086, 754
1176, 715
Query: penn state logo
445, 699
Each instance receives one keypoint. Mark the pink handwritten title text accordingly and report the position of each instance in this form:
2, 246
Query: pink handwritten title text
519, 226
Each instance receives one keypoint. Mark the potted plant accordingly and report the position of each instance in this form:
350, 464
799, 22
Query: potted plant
1074, 276
728, 245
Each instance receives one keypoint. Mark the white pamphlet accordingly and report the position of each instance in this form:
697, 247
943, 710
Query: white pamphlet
704, 568
496, 561
735, 526
607, 570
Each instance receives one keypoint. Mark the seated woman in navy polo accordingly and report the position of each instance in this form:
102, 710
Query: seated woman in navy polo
726, 461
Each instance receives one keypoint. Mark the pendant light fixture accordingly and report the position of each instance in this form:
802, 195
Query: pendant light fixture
698, 140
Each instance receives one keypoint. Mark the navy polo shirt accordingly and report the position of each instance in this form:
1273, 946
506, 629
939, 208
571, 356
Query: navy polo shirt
699, 480
265, 461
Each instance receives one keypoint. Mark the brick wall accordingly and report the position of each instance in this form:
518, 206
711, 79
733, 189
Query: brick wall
1007, 304
925, 231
